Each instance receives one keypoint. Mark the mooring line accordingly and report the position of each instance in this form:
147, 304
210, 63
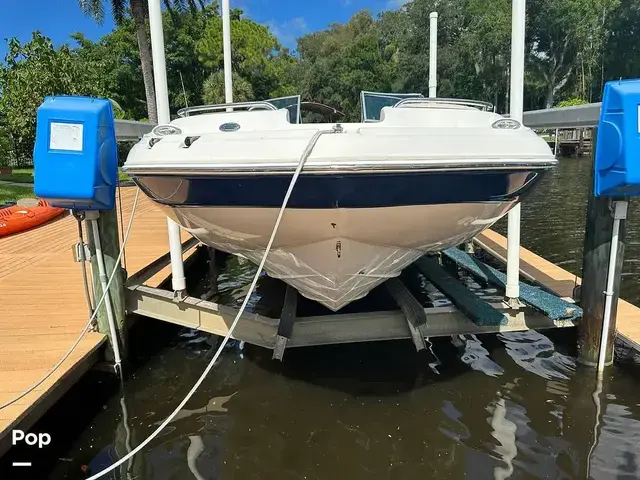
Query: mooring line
303, 158
86, 327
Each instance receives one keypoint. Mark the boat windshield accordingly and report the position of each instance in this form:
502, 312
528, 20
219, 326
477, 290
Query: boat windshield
372, 103
291, 103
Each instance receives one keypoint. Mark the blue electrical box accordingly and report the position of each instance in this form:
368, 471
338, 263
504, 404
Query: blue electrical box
617, 160
75, 156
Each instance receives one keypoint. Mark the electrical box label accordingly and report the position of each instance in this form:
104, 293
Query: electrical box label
66, 136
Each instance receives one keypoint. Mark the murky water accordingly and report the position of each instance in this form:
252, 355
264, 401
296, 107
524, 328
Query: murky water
500, 406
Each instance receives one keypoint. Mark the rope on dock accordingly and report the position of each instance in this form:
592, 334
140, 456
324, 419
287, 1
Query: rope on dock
303, 158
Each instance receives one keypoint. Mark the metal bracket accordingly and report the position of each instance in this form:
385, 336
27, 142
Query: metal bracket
619, 209
81, 252
469, 247
513, 303
287, 319
179, 296
91, 214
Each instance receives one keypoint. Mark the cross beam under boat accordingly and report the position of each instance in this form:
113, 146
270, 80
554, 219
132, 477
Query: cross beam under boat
322, 330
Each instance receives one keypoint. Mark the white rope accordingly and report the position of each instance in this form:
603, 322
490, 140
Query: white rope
145, 442
95, 312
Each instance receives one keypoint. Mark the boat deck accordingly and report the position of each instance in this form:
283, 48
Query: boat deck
44, 308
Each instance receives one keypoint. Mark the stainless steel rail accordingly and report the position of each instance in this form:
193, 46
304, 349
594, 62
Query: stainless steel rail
409, 102
184, 112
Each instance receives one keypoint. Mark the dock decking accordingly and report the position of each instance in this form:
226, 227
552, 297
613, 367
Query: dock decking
43, 308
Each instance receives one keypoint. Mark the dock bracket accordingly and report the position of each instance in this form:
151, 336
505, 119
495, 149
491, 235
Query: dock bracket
411, 308
81, 252
179, 296
470, 247
287, 319
513, 303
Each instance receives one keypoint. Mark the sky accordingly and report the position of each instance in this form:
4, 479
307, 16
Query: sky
287, 19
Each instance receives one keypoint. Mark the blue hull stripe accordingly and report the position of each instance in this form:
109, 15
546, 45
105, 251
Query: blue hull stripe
368, 190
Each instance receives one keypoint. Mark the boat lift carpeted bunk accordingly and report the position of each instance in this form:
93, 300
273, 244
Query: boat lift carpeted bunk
470, 314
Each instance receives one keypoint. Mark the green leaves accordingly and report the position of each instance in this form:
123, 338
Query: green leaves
34, 70
213, 89
261, 67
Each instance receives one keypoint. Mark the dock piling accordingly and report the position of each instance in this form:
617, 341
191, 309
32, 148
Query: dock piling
107, 223
595, 268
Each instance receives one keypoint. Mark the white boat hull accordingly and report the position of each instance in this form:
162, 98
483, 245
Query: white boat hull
371, 198
335, 256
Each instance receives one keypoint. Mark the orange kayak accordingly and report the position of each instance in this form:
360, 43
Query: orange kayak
17, 219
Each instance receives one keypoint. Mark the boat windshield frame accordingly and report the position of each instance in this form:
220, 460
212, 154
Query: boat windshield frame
247, 106
384, 95
417, 100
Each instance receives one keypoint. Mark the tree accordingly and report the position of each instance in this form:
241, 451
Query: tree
260, 64
340, 62
139, 13
34, 70
564, 37
122, 75
213, 88
622, 36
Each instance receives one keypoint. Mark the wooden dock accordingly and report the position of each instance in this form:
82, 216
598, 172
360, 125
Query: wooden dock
44, 308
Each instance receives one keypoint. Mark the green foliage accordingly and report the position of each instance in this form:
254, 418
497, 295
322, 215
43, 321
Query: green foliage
261, 67
32, 71
252, 44
214, 88
571, 102
6, 147
572, 47
340, 62
12, 193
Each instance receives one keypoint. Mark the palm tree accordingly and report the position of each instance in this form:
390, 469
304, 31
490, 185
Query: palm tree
140, 14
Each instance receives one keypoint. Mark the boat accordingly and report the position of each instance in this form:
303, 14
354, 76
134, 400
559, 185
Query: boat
26, 214
415, 175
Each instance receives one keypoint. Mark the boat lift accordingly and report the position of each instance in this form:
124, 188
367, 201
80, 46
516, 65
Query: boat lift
516, 110
470, 314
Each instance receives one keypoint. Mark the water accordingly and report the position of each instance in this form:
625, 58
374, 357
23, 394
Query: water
503, 406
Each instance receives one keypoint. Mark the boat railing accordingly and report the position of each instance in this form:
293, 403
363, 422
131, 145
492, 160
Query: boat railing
226, 107
432, 102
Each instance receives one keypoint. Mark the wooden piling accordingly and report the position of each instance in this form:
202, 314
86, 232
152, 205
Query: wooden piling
595, 266
108, 228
